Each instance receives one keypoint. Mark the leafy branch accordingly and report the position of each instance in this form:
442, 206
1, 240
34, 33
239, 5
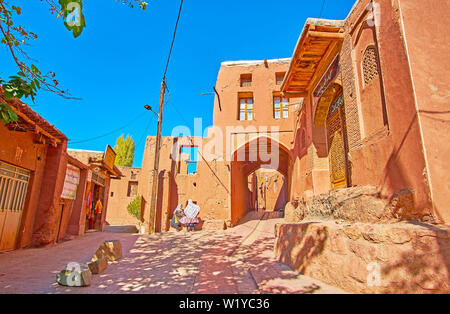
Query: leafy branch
29, 78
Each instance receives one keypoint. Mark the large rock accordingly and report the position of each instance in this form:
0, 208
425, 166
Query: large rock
294, 212
111, 251
74, 278
360, 204
98, 266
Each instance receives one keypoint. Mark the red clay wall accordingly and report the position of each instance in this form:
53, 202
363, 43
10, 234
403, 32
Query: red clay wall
425, 28
46, 223
19, 149
210, 192
392, 160
263, 88
77, 221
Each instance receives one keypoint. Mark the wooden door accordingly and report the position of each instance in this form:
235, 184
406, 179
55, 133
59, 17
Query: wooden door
337, 148
13, 192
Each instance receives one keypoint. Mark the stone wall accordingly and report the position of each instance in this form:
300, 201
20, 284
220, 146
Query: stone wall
369, 258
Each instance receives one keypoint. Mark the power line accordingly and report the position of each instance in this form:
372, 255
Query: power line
173, 39
109, 133
199, 152
321, 10
145, 131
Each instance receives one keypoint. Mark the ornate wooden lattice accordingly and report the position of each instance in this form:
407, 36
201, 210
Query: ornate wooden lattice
336, 153
370, 65
338, 103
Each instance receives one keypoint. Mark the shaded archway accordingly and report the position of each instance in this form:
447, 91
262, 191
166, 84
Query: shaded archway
330, 115
262, 152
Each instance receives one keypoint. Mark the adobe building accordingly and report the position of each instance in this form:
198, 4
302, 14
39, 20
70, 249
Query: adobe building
32, 171
374, 110
122, 193
369, 192
86, 216
250, 115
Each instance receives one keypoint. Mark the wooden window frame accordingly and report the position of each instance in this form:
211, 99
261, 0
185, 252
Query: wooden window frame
283, 108
246, 110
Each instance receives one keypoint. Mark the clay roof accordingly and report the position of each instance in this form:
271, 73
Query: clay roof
317, 42
29, 120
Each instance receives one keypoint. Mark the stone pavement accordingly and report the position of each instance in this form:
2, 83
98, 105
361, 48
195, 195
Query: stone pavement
238, 260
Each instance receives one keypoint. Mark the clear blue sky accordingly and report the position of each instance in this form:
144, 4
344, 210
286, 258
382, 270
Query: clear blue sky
116, 65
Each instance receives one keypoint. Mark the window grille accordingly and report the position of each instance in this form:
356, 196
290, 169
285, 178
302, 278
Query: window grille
370, 65
13, 187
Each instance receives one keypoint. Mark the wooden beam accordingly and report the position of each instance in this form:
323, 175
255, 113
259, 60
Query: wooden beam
295, 94
331, 53
336, 36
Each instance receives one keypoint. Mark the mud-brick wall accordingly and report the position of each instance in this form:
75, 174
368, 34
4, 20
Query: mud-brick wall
369, 258
389, 154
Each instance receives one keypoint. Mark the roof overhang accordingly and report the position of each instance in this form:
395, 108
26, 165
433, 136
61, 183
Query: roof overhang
31, 121
319, 42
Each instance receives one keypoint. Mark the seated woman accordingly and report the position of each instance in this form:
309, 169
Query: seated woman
191, 220
178, 215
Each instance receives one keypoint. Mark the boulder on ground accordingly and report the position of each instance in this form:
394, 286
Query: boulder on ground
74, 278
99, 266
109, 250
294, 212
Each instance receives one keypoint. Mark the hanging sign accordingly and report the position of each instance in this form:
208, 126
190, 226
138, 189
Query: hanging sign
71, 183
110, 158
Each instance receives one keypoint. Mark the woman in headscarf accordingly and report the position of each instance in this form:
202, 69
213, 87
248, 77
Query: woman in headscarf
178, 215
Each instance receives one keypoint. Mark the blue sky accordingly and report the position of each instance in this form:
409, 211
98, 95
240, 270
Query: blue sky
116, 65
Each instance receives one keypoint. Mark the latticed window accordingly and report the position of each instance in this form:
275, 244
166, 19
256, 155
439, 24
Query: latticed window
370, 65
246, 109
280, 108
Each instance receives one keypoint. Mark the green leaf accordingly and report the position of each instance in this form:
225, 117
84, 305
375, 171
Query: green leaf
73, 16
35, 69
7, 115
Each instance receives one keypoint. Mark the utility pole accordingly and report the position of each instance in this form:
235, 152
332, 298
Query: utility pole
152, 220
152, 216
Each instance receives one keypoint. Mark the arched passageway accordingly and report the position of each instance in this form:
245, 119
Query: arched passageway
252, 163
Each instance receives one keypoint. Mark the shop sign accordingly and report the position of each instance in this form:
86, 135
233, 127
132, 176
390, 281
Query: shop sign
71, 183
110, 158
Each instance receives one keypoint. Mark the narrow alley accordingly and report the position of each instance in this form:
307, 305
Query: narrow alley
238, 260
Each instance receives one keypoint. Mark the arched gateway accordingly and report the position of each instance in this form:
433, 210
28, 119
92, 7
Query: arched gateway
260, 153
